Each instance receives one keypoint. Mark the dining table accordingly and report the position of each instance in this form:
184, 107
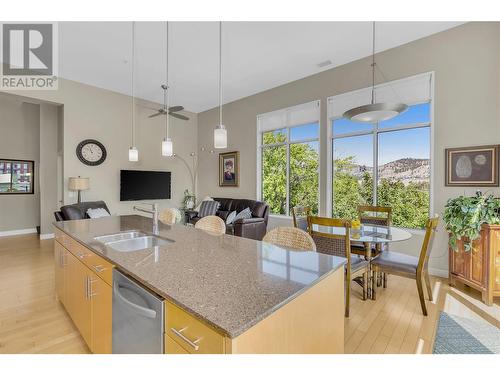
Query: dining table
369, 235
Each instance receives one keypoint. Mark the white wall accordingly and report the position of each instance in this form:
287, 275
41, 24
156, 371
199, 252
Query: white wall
466, 62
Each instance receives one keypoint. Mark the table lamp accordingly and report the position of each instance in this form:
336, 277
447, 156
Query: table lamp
79, 184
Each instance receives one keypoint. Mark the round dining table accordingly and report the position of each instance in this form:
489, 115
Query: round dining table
368, 234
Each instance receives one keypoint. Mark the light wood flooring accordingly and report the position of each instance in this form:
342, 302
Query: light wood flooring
33, 321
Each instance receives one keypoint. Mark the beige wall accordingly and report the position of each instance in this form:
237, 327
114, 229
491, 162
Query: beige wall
19, 139
91, 112
48, 166
466, 62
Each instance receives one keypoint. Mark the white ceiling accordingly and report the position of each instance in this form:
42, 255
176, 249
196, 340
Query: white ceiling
256, 55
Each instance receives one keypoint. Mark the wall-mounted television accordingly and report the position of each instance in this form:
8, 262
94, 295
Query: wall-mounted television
138, 185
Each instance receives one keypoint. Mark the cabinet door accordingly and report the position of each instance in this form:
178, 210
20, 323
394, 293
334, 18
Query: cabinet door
60, 274
477, 262
78, 301
101, 298
457, 260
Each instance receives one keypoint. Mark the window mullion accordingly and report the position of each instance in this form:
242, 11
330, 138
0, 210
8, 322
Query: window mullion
375, 164
287, 212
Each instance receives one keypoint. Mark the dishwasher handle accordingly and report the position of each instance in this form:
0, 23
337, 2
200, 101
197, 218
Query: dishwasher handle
148, 313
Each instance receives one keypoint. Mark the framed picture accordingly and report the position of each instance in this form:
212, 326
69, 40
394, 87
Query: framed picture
229, 169
472, 166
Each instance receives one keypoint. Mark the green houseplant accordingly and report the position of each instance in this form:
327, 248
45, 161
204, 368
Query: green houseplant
464, 216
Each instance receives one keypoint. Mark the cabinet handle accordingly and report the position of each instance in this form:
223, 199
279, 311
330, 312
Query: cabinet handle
90, 282
86, 287
99, 268
193, 344
80, 255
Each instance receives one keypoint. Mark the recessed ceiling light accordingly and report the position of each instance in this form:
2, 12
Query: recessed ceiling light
324, 63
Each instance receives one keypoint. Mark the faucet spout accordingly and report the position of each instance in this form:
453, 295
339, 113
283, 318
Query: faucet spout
154, 212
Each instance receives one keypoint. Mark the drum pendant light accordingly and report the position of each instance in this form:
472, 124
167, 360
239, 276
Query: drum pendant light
167, 148
374, 112
133, 153
220, 132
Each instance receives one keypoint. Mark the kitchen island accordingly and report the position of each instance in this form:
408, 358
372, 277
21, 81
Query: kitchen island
228, 294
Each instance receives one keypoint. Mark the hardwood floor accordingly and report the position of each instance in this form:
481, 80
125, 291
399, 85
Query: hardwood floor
33, 321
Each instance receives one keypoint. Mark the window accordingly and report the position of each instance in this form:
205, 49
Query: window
386, 163
16, 176
289, 158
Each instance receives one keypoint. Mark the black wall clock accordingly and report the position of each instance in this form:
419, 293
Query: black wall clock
91, 152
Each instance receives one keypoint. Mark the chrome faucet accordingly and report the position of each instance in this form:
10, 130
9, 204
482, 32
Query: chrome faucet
154, 212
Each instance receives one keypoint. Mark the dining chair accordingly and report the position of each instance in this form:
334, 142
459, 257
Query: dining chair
340, 245
300, 214
212, 223
291, 238
373, 215
168, 216
409, 266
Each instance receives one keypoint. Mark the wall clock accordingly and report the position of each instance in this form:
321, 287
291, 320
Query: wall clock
91, 152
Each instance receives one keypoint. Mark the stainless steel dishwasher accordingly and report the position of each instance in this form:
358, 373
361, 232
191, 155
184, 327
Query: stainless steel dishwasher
137, 318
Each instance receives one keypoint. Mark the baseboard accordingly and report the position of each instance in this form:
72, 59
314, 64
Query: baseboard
46, 236
438, 272
17, 232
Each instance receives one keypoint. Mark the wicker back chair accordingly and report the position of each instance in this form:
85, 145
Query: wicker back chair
168, 215
291, 238
213, 224
339, 245
409, 266
300, 215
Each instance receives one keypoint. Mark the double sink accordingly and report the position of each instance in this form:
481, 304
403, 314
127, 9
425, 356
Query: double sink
131, 241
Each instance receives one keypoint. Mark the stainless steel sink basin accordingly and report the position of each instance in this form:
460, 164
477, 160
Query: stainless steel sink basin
138, 243
132, 241
120, 236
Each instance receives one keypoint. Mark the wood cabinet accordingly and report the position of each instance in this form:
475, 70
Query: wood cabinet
312, 322
480, 267
83, 285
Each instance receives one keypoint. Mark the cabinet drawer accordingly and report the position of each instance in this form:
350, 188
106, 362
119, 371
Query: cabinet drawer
171, 347
191, 334
62, 238
98, 265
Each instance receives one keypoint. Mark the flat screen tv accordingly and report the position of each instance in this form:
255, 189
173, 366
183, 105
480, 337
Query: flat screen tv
138, 185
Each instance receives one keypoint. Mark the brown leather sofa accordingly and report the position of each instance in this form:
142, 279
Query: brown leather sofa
78, 211
254, 228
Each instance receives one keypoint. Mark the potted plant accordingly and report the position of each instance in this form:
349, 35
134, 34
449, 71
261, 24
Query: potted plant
464, 217
189, 200
473, 226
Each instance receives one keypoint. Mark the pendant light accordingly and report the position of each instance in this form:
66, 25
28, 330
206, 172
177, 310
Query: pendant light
133, 153
220, 132
374, 112
167, 148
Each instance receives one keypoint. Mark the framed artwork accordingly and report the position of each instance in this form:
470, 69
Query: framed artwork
229, 169
472, 166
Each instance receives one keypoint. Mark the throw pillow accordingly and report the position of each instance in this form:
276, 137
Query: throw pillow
208, 208
230, 218
245, 214
95, 213
207, 198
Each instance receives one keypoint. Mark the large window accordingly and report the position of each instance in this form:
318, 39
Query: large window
387, 164
289, 160
16, 176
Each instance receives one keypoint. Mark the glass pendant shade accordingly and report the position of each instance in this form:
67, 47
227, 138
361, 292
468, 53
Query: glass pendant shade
167, 147
377, 112
220, 136
133, 154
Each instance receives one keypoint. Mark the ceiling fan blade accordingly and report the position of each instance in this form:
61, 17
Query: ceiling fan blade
176, 108
155, 114
179, 116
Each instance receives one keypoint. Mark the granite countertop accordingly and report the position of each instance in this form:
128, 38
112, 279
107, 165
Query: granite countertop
229, 282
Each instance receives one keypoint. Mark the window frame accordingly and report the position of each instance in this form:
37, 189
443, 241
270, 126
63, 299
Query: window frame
287, 143
375, 131
20, 161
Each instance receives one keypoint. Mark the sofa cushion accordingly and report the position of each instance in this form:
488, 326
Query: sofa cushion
223, 214
95, 213
226, 204
244, 214
208, 208
230, 218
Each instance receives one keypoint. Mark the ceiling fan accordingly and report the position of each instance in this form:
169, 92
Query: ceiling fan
171, 110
